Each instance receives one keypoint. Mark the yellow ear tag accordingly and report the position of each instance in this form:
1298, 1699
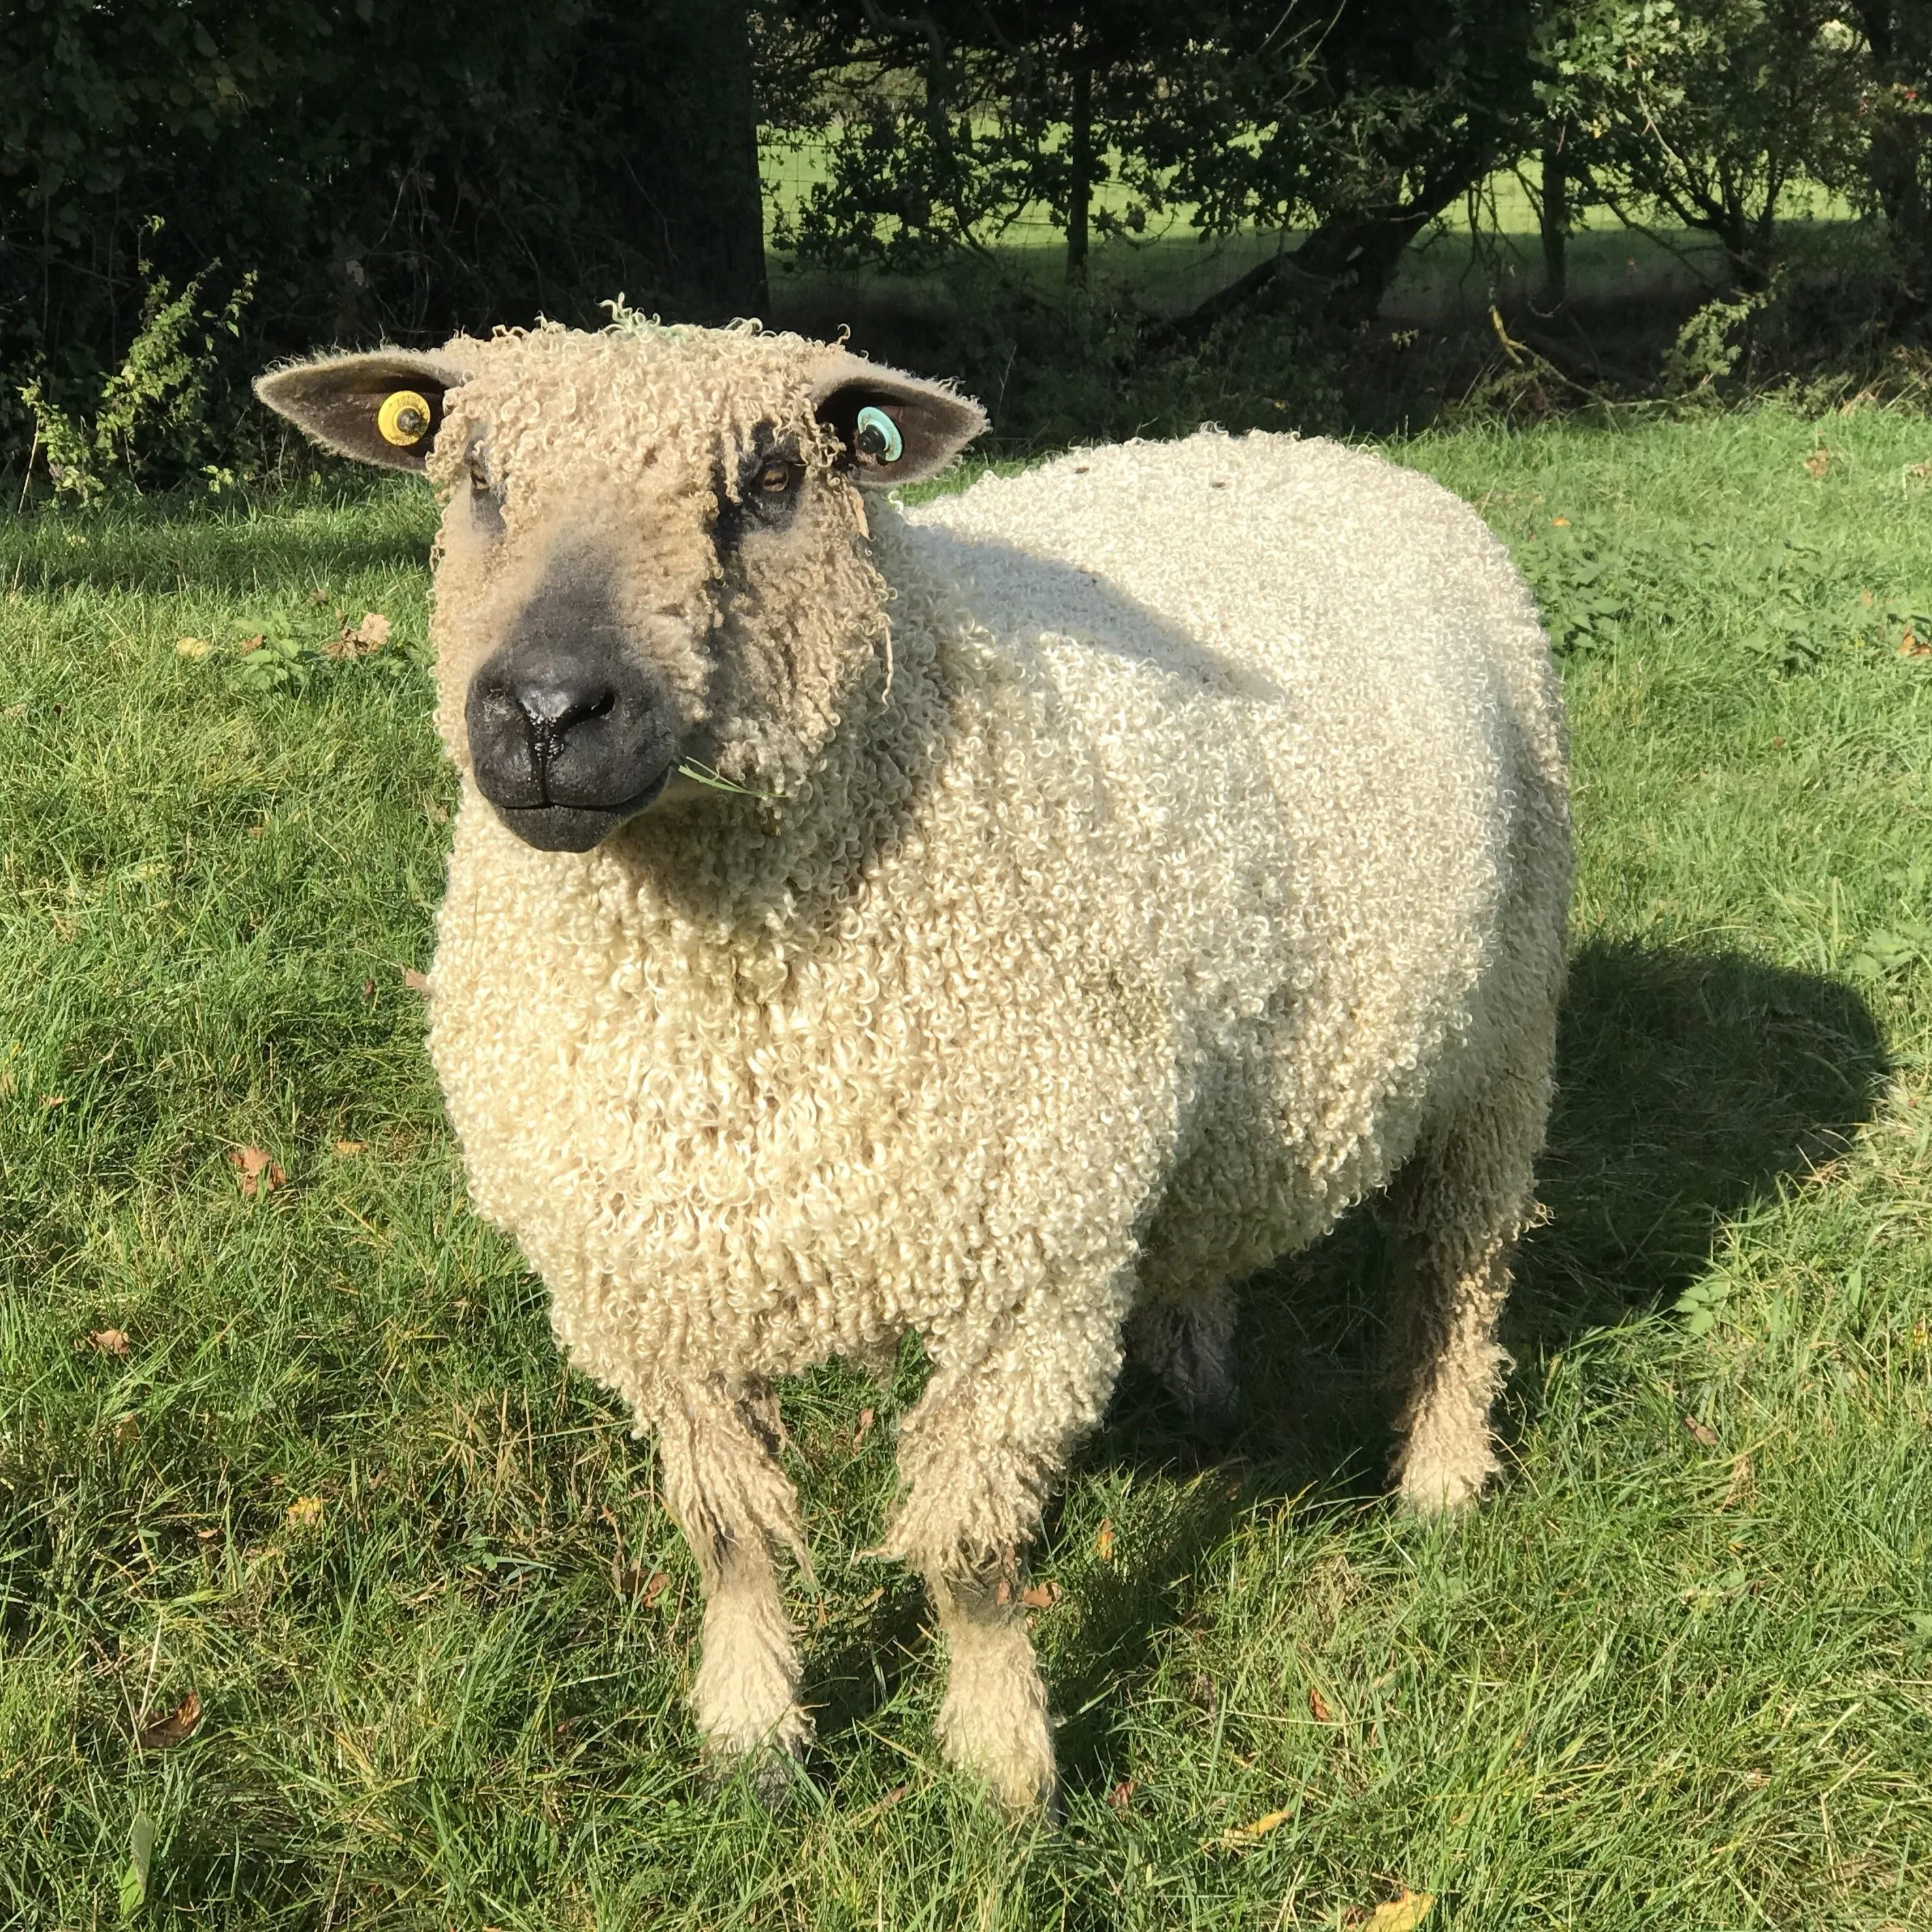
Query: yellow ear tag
404, 417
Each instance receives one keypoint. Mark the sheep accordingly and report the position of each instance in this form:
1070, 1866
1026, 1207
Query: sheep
1012, 920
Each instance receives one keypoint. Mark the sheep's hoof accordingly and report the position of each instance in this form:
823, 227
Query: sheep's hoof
769, 1766
1013, 1758
1428, 1488
1025, 1786
750, 1723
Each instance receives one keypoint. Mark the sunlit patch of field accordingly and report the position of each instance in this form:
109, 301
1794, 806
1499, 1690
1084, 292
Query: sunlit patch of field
329, 1598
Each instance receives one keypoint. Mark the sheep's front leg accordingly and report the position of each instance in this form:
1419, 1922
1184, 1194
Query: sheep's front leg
723, 1483
978, 1455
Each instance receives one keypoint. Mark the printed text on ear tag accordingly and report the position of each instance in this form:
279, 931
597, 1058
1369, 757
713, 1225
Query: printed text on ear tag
404, 419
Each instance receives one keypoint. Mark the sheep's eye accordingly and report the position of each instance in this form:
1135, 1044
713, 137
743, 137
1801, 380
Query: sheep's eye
776, 478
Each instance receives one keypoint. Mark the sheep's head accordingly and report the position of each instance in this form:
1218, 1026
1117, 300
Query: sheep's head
653, 560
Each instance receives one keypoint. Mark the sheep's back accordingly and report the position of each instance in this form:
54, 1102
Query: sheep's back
1325, 674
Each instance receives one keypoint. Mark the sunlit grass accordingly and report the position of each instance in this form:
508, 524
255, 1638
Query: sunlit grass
1677, 1673
1482, 248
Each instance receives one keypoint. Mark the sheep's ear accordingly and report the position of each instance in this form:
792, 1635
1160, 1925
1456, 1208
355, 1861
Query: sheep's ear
893, 428
384, 408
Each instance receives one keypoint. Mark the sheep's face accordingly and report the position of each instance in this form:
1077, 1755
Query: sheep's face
652, 569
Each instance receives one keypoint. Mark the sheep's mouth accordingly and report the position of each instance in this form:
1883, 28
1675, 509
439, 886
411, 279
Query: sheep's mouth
569, 736
576, 828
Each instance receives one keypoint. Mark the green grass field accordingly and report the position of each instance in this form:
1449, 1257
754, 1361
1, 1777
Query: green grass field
1449, 273
308, 1457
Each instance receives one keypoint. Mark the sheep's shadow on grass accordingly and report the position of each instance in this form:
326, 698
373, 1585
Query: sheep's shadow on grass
1692, 1086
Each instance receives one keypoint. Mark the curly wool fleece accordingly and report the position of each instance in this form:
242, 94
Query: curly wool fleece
1167, 846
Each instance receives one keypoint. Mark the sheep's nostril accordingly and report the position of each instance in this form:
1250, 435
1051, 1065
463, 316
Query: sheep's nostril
552, 710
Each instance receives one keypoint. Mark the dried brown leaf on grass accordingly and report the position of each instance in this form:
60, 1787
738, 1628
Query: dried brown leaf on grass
417, 983
109, 1341
864, 1429
879, 1805
176, 1727
256, 1172
1319, 1707
358, 640
1040, 1596
1816, 464
1121, 1796
1704, 1435
305, 1512
1238, 1837
1103, 1540
655, 1584
1401, 1914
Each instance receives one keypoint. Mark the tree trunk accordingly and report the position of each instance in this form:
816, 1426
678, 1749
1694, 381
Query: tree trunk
1358, 255
1898, 163
1080, 184
1554, 219
696, 213
1748, 244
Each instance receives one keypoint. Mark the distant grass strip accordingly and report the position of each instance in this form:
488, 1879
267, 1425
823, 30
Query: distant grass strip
329, 1598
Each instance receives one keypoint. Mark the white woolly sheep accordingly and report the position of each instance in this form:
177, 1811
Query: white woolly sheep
1132, 864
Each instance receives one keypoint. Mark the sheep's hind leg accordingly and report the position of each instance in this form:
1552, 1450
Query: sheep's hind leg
723, 1483
1459, 1203
1190, 1346
988, 1439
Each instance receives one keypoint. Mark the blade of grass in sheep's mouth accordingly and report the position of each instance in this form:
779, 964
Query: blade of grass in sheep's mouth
690, 768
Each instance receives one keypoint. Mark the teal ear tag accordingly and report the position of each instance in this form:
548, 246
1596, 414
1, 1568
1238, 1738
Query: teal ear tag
878, 436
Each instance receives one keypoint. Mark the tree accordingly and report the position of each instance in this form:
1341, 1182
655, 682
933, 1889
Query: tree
1362, 121
388, 169
1362, 125
1708, 110
1898, 154
942, 124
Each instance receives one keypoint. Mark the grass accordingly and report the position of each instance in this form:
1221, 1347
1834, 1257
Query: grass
339, 1488
1450, 272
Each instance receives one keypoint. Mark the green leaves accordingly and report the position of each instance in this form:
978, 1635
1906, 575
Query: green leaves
1702, 1304
277, 661
1787, 602
287, 653
1889, 951
1588, 587
140, 1857
150, 411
